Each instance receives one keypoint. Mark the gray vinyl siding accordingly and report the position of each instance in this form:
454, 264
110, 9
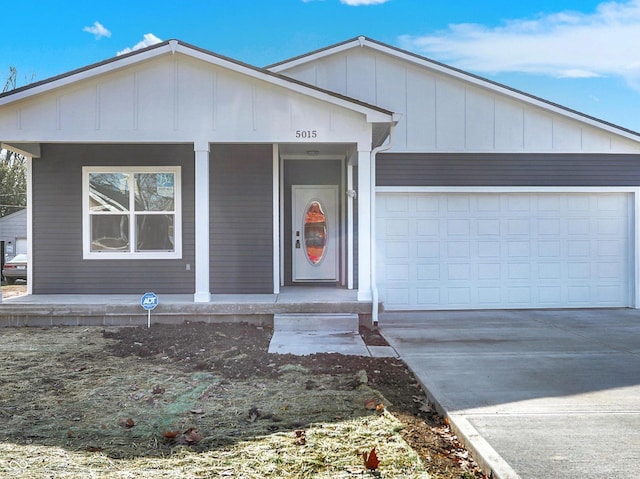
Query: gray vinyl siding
241, 226
58, 265
487, 169
13, 226
304, 172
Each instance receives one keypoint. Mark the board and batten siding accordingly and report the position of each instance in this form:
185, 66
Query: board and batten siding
172, 97
455, 112
58, 266
241, 219
507, 170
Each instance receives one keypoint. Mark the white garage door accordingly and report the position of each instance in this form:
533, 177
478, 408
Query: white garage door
21, 245
507, 250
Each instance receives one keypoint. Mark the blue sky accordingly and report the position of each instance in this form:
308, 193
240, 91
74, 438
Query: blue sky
583, 54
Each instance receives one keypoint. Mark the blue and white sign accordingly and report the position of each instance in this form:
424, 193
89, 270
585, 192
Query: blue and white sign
149, 301
164, 184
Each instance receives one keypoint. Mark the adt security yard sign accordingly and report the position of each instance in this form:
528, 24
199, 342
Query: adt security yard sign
149, 301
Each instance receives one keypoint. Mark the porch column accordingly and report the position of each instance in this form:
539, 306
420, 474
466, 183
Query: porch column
202, 293
29, 224
365, 197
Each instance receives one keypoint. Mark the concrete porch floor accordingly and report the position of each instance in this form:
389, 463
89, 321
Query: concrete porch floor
125, 309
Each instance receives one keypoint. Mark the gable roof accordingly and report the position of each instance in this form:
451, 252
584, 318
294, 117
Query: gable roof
362, 41
373, 113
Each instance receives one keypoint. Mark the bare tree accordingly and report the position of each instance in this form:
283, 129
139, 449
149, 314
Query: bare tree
11, 80
13, 182
13, 167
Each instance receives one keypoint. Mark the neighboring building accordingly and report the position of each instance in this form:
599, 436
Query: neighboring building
13, 234
175, 170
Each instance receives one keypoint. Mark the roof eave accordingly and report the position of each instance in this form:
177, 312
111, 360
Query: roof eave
373, 113
86, 72
459, 74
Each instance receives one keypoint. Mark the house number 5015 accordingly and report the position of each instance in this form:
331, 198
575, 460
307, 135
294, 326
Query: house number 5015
306, 133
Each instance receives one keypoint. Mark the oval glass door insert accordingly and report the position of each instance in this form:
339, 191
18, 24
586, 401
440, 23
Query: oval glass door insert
315, 232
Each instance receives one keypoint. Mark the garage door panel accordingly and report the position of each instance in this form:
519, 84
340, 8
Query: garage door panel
461, 251
428, 272
428, 249
549, 295
428, 227
489, 296
550, 272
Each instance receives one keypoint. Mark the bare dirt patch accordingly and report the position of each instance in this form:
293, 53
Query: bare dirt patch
199, 400
13, 290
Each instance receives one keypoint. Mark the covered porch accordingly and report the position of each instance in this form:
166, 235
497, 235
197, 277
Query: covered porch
125, 309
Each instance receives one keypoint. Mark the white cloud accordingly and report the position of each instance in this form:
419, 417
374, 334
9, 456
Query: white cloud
357, 3
148, 39
563, 44
98, 30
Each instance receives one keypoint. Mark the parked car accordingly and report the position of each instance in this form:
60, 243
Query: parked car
15, 269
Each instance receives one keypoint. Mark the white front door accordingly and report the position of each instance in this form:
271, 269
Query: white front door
315, 233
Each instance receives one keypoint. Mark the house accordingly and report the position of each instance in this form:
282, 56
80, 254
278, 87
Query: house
358, 167
13, 234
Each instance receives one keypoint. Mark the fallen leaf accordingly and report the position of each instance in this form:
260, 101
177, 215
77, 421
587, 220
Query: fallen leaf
380, 407
128, 423
158, 390
301, 437
192, 436
170, 434
371, 404
371, 461
426, 408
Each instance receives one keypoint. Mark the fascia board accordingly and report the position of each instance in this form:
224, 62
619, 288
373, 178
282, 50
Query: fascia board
504, 90
84, 73
462, 76
301, 60
372, 113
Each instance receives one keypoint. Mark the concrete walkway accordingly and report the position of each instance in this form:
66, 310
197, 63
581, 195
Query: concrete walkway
534, 394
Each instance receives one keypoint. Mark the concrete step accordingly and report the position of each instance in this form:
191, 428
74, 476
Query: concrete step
316, 322
309, 333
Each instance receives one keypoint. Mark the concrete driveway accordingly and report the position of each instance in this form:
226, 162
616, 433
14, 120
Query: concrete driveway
535, 394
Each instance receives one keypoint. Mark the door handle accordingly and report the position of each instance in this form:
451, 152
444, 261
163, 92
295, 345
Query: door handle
297, 239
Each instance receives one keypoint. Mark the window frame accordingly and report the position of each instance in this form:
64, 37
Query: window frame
132, 254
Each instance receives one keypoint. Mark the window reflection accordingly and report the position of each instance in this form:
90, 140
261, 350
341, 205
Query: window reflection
154, 191
109, 233
109, 192
139, 222
154, 232
315, 232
